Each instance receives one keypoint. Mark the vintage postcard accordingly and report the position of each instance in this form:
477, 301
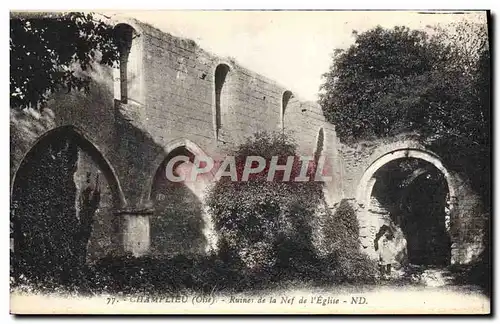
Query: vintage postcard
250, 162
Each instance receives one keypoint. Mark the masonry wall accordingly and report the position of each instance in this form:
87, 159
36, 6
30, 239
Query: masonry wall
173, 105
104, 240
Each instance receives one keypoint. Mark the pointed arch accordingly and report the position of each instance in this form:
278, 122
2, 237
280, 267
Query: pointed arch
77, 135
179, 222
176, 147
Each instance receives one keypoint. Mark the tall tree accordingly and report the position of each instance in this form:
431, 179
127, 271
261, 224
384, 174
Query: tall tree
49, 50
434, 83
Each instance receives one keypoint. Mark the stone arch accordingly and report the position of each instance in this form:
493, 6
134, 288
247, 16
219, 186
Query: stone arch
366, 183
190, 146
90, 148
54, 217
179, 222
369, 213
285, 98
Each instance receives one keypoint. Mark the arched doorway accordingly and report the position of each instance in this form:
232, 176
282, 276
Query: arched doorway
411, 192
179, 224
62, 202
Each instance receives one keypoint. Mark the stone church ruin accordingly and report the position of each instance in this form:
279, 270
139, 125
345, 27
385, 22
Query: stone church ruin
169, 97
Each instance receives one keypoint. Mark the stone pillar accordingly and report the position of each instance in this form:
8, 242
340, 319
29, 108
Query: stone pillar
135, 231
368, 223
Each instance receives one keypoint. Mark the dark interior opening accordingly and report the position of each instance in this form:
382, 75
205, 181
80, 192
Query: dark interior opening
414, 194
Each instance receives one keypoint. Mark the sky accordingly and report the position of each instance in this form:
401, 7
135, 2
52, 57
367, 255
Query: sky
293, 48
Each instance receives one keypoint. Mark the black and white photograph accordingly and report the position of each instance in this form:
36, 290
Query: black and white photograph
250, 162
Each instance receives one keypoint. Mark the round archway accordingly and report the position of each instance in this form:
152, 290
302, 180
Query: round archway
62, 200
412, 193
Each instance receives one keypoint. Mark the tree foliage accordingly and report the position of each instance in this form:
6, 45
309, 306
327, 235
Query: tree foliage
395, 80
435, 83
345, 259
261, 220
48, 52
43, 215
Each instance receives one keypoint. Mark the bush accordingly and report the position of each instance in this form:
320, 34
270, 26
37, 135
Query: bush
267, 226
174, 275
163, 275
266, 223
345, 261
342, 229
355, 267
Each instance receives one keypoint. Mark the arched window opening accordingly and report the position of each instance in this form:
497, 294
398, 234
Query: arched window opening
220, 78
126, 73
287, 95
319, 145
